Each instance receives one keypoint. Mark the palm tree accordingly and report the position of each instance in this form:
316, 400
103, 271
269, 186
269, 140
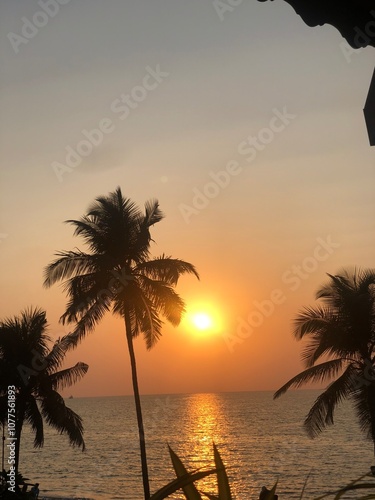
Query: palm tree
118, 275
30, 378
342, 332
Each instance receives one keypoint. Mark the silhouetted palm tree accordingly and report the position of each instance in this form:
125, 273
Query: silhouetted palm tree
342, 332
118, 275
30, 370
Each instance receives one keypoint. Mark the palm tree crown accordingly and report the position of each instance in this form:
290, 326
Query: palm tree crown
28, 364
341, 336
118, 275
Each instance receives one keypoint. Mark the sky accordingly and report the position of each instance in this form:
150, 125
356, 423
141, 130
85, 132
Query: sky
243, 122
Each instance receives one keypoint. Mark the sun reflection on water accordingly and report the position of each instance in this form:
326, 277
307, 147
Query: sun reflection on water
206, 423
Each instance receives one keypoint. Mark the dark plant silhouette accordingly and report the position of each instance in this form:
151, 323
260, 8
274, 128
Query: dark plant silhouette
30, 378
353, 18
118, 275
341, 331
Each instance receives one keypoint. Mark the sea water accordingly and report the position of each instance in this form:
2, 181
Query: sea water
260, 441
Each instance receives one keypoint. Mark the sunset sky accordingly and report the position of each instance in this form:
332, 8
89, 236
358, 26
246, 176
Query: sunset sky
244, 123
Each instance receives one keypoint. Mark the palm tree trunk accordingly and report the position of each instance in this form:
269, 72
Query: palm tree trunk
137, 399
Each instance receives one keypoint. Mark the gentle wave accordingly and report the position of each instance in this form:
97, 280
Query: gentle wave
260, 440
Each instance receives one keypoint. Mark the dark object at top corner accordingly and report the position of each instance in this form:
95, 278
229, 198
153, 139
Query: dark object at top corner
355, 19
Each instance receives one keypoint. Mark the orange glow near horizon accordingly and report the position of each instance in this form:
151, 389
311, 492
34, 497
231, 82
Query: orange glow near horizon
203, 319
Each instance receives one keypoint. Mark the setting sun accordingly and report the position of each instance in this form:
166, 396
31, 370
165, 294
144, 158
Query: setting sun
202, 321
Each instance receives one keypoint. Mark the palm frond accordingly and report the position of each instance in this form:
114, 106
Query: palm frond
367, 281
322, 411
364, 403
334, 341
150, 324
142, 235
346, 286
165, 269
27, 331
312, 320
35, 420
318, 373
164, 298
90, 295
86, 322
338, 286
87, 227
58, 352
117, 220
62, 418
153, 214
68, 264
69, 376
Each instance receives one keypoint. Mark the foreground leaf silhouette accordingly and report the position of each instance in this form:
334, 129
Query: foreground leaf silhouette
342, 330
119, 276
185, 480
28, 365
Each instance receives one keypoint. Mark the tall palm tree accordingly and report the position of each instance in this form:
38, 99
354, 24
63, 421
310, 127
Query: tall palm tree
342, 332
119, 275
29, 371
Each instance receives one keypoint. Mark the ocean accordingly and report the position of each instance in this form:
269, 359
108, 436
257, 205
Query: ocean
260, 440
